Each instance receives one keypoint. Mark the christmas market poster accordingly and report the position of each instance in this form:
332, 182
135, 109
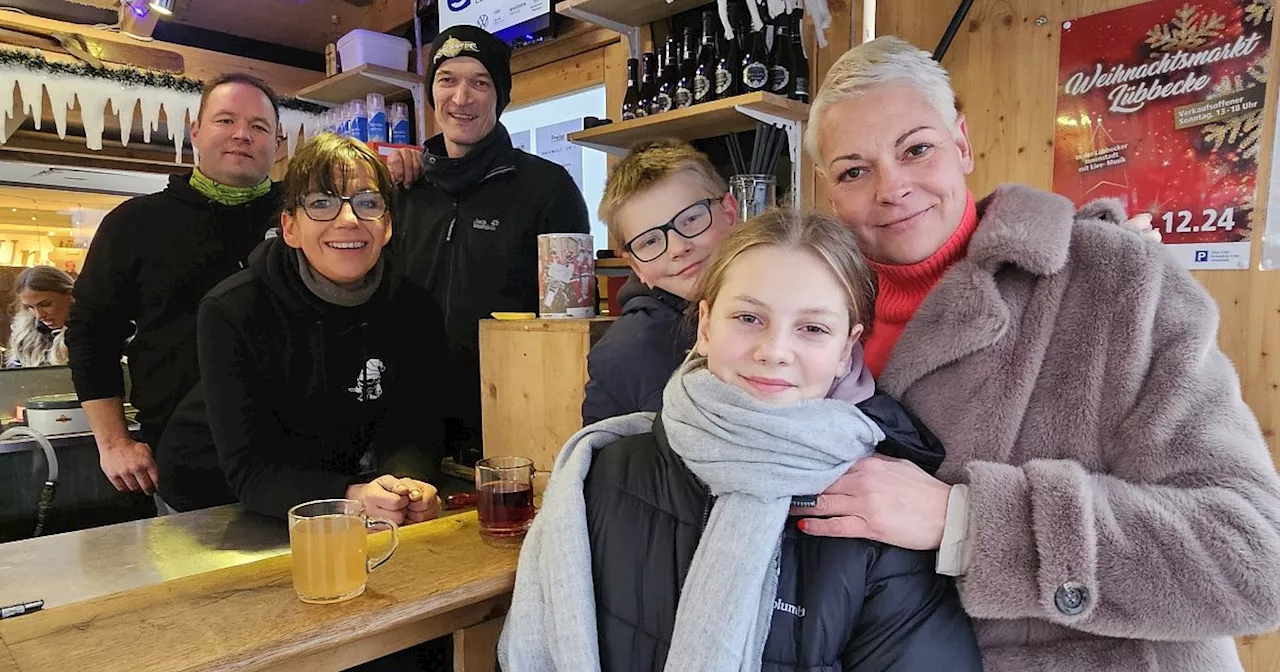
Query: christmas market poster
1161, 106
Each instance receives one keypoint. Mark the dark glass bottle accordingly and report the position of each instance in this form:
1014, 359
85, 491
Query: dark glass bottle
632, 98
728, 79
755, 66
648, 85
688, 71
781, 61
704, 74
800, 63
664, 99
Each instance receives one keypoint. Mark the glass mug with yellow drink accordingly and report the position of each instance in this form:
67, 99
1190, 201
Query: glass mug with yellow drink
330, 543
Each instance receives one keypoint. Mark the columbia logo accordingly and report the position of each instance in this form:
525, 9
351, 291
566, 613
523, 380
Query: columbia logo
779, 605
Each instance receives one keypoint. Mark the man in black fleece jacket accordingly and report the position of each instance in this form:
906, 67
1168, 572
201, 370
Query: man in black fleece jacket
468, 230
152, 260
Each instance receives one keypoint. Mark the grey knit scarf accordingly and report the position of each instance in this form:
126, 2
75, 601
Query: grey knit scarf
332, 292
754, 457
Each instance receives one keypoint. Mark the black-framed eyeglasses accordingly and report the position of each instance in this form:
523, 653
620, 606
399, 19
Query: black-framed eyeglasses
324, 207
689, 223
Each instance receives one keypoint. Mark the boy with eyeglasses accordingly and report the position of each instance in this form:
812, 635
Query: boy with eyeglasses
667, 208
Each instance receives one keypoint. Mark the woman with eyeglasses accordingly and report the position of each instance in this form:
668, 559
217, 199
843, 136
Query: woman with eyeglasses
315, 361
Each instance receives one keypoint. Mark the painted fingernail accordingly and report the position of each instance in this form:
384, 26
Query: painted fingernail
802, 525
804, 501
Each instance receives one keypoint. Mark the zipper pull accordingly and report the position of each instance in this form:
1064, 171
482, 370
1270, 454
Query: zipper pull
448, 236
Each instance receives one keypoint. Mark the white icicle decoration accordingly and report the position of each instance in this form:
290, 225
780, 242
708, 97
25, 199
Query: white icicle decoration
295, 124
30, 87
821, 17
93, 97
93, 94
756, 22
61, 90
124, 106
816, 9
723, 6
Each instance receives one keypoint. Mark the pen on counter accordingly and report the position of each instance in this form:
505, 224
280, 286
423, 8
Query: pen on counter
20, 609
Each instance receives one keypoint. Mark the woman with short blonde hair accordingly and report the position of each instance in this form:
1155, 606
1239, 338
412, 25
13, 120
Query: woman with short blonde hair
1107, 501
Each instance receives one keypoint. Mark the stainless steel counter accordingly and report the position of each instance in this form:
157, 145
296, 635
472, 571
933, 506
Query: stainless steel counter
77, 566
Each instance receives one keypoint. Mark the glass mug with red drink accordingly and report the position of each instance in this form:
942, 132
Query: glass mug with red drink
504, 496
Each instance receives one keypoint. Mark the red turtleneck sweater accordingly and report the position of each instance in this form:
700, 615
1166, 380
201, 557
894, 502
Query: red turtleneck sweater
902, 289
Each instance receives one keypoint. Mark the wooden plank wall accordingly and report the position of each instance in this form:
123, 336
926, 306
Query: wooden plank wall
1004, 68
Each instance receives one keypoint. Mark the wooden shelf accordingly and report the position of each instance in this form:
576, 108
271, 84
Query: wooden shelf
621, 14
352, 84
707, 120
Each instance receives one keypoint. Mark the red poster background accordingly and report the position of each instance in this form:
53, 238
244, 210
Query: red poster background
1165, 170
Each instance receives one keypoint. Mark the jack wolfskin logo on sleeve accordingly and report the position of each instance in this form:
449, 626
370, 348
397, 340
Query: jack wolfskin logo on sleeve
485, 224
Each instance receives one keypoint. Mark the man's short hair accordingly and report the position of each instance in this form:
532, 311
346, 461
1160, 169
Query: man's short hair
647, 164
239, 78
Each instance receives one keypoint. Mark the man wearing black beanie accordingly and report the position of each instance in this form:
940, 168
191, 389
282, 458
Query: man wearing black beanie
467, 229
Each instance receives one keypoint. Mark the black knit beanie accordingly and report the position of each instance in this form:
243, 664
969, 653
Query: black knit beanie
493, 54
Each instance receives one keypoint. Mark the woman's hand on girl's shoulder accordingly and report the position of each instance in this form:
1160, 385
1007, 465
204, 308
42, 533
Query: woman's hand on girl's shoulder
1141, 224
883, 499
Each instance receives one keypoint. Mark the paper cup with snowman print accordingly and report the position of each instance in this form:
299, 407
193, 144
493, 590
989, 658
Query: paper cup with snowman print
566, 275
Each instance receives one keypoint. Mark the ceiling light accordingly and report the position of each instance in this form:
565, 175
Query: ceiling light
51, 234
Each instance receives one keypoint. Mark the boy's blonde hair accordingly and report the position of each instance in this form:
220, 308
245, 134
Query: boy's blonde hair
647, 164
784, 228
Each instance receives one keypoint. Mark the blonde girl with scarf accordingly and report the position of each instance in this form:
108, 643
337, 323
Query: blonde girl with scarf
664, 542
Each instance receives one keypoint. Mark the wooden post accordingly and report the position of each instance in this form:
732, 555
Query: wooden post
532, 374
475, 649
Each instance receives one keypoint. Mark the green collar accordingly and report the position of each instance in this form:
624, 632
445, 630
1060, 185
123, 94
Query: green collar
221, 193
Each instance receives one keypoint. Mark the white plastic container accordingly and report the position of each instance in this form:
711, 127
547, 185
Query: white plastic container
360, 46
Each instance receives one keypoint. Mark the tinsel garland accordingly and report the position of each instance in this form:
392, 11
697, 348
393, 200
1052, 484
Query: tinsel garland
127, 75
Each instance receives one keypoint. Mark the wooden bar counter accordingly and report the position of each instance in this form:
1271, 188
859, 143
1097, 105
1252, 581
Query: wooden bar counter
244, 616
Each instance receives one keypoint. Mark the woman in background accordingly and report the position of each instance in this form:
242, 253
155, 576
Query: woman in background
40, 312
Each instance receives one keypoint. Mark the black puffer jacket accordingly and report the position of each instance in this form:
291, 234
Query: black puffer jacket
629, 367
842, 604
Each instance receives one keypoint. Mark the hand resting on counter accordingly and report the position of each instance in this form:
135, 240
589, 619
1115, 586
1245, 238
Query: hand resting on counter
129, 465
403, 501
